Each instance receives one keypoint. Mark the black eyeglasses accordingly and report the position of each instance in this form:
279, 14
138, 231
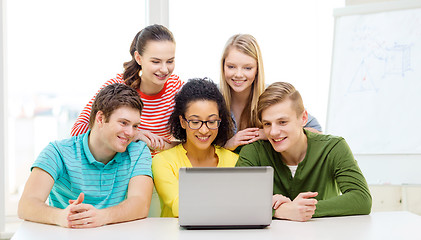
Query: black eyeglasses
197, 124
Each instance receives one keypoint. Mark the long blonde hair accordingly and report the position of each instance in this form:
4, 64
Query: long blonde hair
246, 44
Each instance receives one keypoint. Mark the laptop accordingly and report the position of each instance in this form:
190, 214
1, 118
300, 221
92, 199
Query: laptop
237, 197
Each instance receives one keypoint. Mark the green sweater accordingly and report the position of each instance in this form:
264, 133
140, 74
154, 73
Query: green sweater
328, 168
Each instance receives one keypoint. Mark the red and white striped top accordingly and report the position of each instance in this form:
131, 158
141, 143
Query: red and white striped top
156, 109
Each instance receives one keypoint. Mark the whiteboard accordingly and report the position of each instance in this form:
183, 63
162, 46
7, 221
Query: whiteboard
375, 88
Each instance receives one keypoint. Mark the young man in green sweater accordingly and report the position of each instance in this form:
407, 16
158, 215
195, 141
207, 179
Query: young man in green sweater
315, 175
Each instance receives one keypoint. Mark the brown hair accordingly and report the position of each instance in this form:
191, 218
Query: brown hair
150, 33
278, 92
113, 97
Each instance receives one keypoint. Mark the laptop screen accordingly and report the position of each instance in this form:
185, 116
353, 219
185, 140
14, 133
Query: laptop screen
225, 197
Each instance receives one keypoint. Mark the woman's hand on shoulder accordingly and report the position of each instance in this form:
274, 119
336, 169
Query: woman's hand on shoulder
243, 137
152, 140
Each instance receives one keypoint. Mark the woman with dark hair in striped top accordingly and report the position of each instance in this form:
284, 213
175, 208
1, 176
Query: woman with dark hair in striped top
149, 72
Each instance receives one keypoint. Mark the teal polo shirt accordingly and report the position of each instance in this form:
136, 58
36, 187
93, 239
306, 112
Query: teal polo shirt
74, 170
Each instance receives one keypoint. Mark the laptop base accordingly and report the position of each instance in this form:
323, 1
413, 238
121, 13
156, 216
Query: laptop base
224, 227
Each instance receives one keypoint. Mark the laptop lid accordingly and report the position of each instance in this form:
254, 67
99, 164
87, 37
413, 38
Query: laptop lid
225, 197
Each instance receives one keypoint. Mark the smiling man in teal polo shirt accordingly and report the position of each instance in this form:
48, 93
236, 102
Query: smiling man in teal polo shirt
315, 175
96, 178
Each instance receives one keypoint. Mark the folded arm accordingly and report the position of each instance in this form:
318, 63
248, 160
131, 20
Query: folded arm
301, 209
136, 206
355, 198
32, 206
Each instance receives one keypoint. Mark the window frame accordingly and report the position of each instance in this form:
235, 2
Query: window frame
156, 11
2, 130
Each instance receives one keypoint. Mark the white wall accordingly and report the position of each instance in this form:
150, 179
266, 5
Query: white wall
2, 129
296, 41
390, 169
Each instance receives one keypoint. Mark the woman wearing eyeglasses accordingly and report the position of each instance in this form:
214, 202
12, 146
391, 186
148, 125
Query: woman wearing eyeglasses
202, 123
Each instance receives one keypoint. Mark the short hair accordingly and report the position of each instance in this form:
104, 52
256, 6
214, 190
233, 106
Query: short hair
195, 90
278, 92
248, 45
113, 97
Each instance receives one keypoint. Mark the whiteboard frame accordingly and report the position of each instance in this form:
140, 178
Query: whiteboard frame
376, 7
380, 168
369, 8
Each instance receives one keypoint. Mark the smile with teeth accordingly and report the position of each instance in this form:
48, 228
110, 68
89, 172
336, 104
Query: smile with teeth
279, 139
161, 76
238, 81
203, 138
123, 139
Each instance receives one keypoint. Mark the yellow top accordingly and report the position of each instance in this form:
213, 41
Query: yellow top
165, 166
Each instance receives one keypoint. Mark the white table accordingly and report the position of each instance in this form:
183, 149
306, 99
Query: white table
380, 225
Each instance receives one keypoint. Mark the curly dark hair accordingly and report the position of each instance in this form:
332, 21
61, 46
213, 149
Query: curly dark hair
195, 90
